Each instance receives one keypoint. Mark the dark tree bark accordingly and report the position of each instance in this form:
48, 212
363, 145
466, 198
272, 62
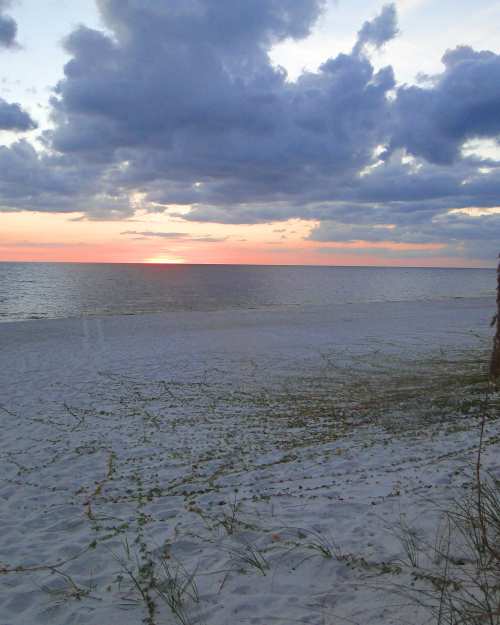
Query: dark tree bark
495, 357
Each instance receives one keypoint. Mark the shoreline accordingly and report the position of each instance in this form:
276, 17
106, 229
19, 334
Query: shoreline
256, 309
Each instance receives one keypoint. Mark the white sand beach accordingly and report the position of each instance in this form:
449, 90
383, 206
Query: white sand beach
255, 466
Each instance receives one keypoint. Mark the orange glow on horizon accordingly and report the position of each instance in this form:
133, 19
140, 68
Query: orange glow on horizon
158, 239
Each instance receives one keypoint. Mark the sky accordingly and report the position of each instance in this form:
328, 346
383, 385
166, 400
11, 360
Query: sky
326, 132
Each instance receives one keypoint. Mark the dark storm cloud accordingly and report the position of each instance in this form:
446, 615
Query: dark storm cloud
453, 227
476, 236
56, 183
175, 70
180, 101
392, 190
222, 23
463, 103
376, 251
380, 30
171, 107
12, 117
186, 93
8, 27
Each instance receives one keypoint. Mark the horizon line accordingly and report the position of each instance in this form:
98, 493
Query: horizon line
167, 264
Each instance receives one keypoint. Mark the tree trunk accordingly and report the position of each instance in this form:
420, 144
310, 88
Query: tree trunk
495, 357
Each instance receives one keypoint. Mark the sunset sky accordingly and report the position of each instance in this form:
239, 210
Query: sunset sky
350, 132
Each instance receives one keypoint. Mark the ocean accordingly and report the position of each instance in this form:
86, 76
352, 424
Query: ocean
61, 290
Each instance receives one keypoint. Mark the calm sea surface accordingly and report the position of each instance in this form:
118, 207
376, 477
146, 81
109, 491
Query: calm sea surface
45, 290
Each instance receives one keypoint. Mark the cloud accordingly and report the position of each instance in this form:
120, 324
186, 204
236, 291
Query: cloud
8, 27
162, 235
12, 117
179, 104
208, 239
170, 94
456, 232
170, 108
378, 31
379, 251
463, 103
57, 183
184, 236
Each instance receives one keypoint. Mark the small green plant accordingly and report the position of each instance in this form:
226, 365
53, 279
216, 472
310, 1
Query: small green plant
229, 519
409, 541
249, 556
462, 585
176, 586
68, 589
320, 543
157, 578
